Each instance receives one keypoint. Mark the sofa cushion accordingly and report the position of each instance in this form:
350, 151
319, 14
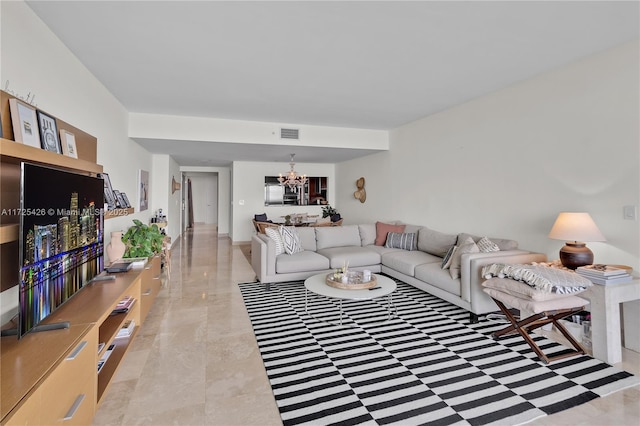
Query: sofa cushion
502, 243
337, 236
351, 256
485, 245
274, 234
404, 241
290, 239
410, 228
434, 242
367, 234
382, 229
307, 236
467, 246
406, 261
382, 250
301, 262
433, 274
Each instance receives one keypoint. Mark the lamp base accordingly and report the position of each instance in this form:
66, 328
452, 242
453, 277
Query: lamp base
574, 254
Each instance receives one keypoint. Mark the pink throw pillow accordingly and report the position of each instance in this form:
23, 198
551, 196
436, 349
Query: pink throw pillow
382, 229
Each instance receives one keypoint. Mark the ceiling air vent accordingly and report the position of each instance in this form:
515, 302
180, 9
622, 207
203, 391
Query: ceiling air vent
290, 134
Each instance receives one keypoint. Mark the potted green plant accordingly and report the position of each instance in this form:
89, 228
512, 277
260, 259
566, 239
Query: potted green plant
142, 240
328, 211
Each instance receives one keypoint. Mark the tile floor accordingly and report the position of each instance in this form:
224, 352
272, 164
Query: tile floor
195, 360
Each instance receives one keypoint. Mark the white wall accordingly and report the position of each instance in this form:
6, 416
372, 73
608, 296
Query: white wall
248, 193
164, 170
35, 61
507, 163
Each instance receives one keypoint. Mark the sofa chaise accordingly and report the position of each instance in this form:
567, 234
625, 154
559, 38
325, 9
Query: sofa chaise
446, 265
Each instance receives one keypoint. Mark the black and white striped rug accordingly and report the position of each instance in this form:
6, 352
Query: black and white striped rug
426, 365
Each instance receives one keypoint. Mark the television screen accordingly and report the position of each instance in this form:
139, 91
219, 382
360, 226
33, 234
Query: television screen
61, 239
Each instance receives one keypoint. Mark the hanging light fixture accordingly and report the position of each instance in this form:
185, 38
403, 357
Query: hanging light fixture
292, 179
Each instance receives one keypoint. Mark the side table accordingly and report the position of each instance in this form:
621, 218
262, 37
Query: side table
605, 317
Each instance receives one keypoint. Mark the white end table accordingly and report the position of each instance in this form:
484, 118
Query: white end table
317, 284
605, 317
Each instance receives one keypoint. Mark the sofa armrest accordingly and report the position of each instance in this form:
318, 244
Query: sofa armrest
263, 256
471, 265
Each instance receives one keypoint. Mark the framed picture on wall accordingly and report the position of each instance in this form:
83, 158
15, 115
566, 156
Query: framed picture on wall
143, 190
109, 197
127, 203
25, 123
68, 141
48, 133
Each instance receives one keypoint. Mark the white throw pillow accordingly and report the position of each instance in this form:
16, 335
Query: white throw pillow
290, 239
467, 246
274, 234
487, 246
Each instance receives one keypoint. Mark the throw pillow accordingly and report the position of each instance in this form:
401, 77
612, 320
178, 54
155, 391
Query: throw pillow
290, 239
448, 258
404, 241
382, 229
274, 234
467, 246
486, 245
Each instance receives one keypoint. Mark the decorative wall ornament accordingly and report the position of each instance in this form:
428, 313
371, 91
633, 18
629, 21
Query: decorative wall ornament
360, 194
175, 186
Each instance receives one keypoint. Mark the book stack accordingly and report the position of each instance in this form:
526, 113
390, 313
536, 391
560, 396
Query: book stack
124, 305
604, 274
105, 357
127, 328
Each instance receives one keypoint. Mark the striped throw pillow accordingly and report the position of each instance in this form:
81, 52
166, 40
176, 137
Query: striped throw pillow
404, 241
274, 234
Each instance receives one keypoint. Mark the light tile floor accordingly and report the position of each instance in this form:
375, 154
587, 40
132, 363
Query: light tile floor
195, 360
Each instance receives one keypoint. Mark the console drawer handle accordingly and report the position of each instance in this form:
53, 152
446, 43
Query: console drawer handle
146, 293
76, 351
74, 407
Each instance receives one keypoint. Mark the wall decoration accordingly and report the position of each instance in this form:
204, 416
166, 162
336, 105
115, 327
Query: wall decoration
360, 194
25, 123
125, 199
175, 186
143, 190
109, 197
68, 141
48, 133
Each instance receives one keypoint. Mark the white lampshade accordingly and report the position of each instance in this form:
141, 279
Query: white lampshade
571, 226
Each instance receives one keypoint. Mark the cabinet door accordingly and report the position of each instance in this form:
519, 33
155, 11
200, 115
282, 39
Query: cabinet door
69, 393
28, 414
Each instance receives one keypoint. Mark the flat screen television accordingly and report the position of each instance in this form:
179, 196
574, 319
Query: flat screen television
61, 239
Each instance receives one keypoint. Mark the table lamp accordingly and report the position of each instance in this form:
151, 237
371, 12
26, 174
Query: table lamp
575, 228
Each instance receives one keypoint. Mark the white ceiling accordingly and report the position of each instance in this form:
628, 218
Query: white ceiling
361, 64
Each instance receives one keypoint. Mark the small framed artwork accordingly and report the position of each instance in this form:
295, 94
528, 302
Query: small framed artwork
25, 123
118, 197
127, 204
143, 190
68, 141
49, 133
109, 197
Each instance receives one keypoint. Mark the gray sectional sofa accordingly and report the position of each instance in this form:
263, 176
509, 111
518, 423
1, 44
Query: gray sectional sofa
327, 248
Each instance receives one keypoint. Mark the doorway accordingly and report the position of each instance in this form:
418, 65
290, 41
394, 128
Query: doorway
200, 199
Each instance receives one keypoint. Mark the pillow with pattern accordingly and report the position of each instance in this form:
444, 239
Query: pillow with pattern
486, 245
290, 240
404, 241
274, 234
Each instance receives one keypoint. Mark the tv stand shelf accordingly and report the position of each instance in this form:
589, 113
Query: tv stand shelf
46, 366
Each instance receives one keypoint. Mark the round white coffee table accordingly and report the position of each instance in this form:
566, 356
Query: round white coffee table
317, 284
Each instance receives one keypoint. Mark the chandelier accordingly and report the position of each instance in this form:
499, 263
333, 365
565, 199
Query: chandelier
292, 179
